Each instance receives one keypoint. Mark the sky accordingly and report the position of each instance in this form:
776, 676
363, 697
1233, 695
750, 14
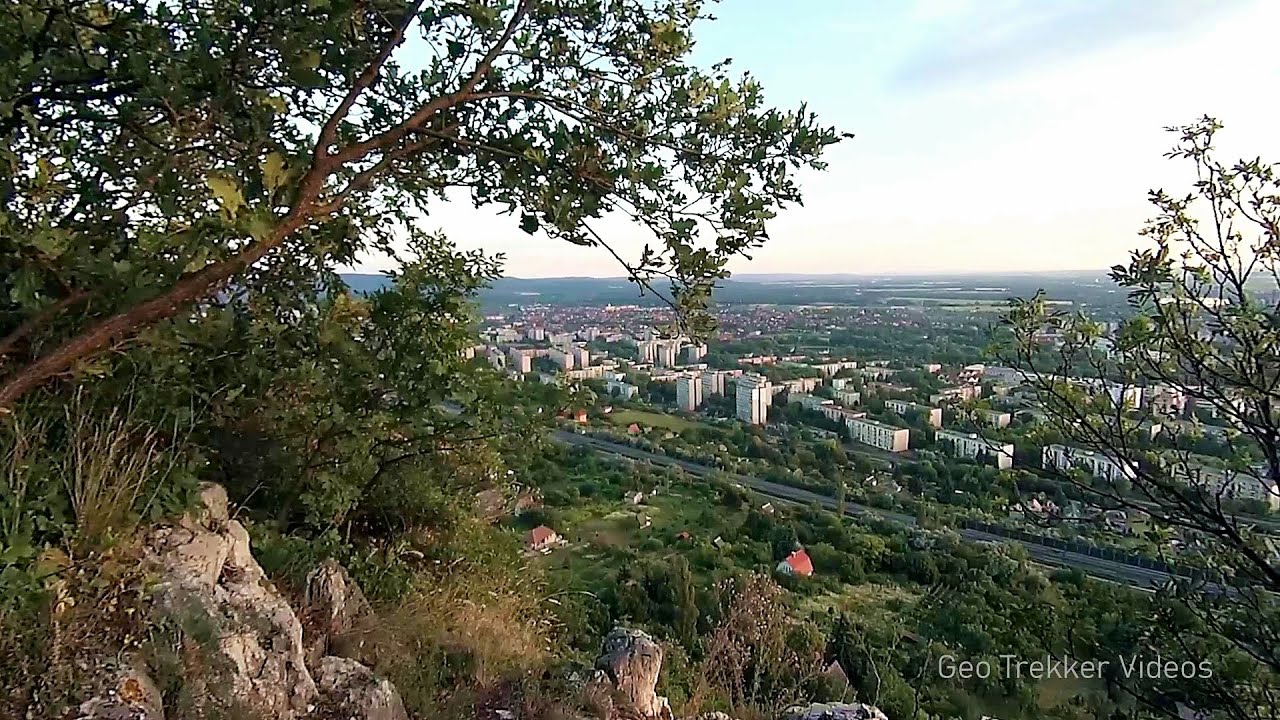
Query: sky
990, 135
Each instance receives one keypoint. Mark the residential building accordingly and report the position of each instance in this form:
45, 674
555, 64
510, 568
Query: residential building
831, 368
1098, 465
521, 361
562, 358
813, 402
648, 351
753, 393
961, 393
535, 334
797, 563
995, 418
496, 358
689, 392
625, 391
971, 445
581, 356
541, 538
838, 384
713, 383
878, 434
1002, 375
931, 415
1220, 481
666, 353
849, 398
801, 385
561, 339
694, 353
1129, 396
931, 368
591, 372
841, 415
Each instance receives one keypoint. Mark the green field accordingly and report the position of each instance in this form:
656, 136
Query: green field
650, 419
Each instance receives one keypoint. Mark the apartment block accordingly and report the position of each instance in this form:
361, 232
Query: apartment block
581, 356
713, 383
520, 360
694, 353
813, 402
753, 393
970, 445
849, 398
932, 415
562, 358
1064, 457
689, 392
995, 418
878, 434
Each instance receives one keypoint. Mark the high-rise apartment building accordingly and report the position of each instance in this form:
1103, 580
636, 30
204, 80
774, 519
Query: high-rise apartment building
713, 383
562, 358
970, 445
581, 356
667, 351
694, 353
753, 394
689, 392
521, 361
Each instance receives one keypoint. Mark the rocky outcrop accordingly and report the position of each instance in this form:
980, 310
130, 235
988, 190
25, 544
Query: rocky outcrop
241, 641
352, 691
631, 660
834, 711
332, 607
209, 578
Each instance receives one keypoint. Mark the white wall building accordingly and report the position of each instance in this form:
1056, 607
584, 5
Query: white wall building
932, 415
626, 391
995, 418
813, 402
713, 383
1215, 481
878, 434
689, 392
562, 358
520, 361
1098, 465
666, 353
753, 393
581, 356
694, 353
849, 398
970, 445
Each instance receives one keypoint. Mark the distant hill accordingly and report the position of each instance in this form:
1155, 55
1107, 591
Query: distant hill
1091, 288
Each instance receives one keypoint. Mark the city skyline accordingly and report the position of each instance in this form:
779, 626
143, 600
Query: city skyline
1004, 136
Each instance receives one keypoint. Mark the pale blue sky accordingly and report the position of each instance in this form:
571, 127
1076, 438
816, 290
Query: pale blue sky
991, 134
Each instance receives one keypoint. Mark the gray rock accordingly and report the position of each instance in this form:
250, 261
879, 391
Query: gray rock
206, 568
834, 711
632, 661
129, 694
332, 606
351, 690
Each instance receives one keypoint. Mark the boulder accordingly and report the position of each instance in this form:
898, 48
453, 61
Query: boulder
350, 690
631, 660
207, 575
332, 606
834, 711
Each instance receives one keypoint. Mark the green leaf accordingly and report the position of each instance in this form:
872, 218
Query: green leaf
529, 223
274, 172
227, 191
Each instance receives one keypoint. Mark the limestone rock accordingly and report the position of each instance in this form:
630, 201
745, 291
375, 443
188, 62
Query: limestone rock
834, 711
332, 606
207, 571
632, 660
350, 690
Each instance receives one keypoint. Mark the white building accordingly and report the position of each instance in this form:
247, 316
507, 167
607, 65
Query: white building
970, 445
648, 351
694, 353
995, 418
1129, 396
1227, 483
561, 339
849, 398
1002, 375
689, 392
581, 356
520, 361
813, 402
590, 372
839, 383
878, 434
713, 383
932, 415
562, 358
1098, 465
753, 393
625, 391
536, 334
666, 353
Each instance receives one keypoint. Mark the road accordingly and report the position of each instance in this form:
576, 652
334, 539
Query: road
1133, 576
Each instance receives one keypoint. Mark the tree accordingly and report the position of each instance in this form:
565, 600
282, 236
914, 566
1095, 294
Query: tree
1204, 330
155, 156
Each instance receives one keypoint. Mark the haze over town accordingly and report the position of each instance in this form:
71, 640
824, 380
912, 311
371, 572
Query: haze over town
990, 136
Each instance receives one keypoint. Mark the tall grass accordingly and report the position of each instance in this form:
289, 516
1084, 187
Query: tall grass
108, 461
17, 464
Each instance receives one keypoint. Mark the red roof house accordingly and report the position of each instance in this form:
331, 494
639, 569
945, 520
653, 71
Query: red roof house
797, 563
541, 537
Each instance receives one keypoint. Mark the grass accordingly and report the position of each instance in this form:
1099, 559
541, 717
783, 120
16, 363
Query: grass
646, 418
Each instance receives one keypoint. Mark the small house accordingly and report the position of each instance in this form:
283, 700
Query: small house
797, 563
541, 538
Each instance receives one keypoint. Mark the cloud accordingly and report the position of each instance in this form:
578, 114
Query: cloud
988, 42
